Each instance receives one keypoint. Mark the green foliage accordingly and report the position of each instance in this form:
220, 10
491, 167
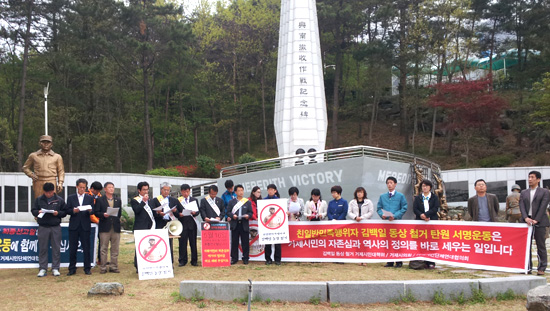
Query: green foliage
201, 305
267, 301
177, 297
315, 300
440, 299
499, 160
334, 305
478, 296
126, 221
460, 299
206, 166
408, 297
507, 295
197, 296
246, 158
164, 172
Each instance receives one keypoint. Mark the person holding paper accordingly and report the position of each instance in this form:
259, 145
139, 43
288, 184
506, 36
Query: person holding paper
189, 233
169, 207
109, 227
239, 211
49, 229
337, 208
212, 207
316, 207
295, 205
392, 205
80, 206
141, 205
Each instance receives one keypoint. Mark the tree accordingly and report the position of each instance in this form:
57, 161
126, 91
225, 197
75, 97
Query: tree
471, 106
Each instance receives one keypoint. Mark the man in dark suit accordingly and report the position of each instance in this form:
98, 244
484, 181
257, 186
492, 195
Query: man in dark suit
170, 207
80, 205
109, 228
483, 206
141, 205
238, 212
189, 232
532, 204
212, 207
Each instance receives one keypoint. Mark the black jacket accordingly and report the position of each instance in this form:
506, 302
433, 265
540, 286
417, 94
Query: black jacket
100, 208
208, 212
82, 218
418, 207
142, 220
246, 210
49, 220
188, 222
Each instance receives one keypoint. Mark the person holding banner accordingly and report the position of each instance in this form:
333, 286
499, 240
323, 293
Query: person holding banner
392, 205
426, 207
316, 208
272, 193
109, 227
189, 232
212, 208
360, 208
80, 206
483, 206
141, 205
295, 205
48, 209
533, 203
337, 208
166, 208
239, 211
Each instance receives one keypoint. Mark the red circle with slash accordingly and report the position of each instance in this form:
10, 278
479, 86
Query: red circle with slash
158, 244
278, 210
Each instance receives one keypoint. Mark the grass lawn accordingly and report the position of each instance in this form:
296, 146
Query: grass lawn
29, 292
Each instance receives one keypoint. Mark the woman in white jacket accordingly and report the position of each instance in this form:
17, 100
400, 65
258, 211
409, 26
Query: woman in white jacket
316, 208
360, 208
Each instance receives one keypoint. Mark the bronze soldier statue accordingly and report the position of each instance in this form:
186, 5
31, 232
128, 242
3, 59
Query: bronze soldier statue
47, 166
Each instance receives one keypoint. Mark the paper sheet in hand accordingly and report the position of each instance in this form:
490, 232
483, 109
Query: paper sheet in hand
186, 212
158, 209
386, 213
294, 208
85, 207
44, 211
192, 206
112, 211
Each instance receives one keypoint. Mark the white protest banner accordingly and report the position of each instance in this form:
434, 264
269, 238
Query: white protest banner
272, 221
153, 254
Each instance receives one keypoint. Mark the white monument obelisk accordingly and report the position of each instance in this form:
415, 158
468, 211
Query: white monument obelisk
300, 106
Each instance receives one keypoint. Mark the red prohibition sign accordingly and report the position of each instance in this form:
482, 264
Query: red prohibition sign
153, 248
251, 242
277, 210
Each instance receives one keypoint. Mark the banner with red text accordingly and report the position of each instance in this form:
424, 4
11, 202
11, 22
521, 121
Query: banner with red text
479, 245
215, 243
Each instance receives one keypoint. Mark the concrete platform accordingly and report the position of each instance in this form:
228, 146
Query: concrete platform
358, 292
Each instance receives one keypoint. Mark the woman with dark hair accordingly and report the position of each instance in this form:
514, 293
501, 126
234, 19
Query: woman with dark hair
425, 207
255, 194
360, 208
295, 205
316, 208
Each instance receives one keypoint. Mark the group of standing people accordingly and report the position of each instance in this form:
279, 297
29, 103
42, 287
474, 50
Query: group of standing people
82, 207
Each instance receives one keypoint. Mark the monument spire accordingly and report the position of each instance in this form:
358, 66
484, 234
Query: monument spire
300, 105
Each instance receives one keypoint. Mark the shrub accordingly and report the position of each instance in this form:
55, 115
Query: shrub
246, 158
164, 172
186, 170
497, 160
206, 166
126, 222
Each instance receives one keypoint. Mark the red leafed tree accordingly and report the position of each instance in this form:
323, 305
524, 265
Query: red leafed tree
471, 108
